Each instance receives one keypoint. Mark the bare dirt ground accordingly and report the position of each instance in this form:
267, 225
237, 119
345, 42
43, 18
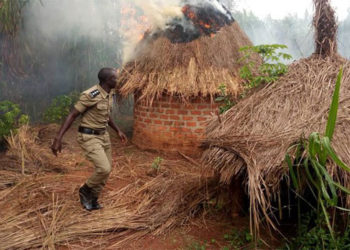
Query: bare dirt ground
211, 228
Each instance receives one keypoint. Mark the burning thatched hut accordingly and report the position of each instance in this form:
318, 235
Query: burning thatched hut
252, 138
176, 76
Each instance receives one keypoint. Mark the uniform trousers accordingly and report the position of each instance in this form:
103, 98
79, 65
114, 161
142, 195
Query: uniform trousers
97, 149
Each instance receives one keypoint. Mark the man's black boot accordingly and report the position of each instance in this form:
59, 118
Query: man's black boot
85, 195
95, 204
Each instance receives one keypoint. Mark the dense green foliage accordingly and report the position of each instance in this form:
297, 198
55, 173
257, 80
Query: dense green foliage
313, 234
10, 119
308, 171
270, 69
59, 108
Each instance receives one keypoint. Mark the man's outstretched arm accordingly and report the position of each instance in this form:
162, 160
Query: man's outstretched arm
116, 129
57, 143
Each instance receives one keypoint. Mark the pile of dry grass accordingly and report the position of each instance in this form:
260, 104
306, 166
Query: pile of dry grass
36, 214
29, 151
187, 70
42, 210
253, 137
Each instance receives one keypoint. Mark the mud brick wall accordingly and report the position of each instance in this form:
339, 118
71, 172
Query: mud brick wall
171, 126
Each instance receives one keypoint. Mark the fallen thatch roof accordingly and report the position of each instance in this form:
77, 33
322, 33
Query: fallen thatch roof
39, 207
253, 137
189, 69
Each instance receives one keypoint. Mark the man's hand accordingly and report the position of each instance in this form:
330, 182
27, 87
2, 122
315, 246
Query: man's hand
56, 146
123, 137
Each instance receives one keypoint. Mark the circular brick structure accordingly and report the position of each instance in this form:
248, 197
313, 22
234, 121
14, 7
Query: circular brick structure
172, 126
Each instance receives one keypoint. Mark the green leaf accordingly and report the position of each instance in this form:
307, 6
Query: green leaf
291, 171
309, 175
327, 220
330, 184
334, 156
334, 107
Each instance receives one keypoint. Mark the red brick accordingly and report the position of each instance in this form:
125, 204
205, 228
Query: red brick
175, 129
144, 114
162, 128
196, 112
187, 118
152, 115
148, 121
165, 117
160, 111
179, 124
170, 112
202, 119
174, 117
158, 122
191, 124
168, 134
202, 106
208, 112
168, 123
199, 131
175, 106
182, 112
186, 130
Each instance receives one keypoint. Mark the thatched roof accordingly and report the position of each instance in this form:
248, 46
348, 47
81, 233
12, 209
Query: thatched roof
253, 137
189, 69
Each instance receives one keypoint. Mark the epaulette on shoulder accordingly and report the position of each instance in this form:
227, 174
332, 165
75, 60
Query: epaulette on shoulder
94, 93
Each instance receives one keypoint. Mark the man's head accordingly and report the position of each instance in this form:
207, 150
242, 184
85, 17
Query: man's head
108, 76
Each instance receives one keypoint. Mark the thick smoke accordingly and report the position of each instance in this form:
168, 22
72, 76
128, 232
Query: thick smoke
62, 18
60, 46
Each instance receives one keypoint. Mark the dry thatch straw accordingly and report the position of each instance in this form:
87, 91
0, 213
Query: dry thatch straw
253, 137
23, 149
187, 70
326, 28
27, 154
44, 212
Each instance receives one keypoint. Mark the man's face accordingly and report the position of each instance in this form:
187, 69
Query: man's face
112, 81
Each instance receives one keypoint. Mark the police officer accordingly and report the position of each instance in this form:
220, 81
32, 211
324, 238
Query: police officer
94, 106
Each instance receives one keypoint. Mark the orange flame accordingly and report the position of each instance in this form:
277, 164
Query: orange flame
133, 25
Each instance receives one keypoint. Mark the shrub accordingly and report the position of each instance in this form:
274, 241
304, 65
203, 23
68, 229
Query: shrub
271, 68
10, 119
269, 71
60, 108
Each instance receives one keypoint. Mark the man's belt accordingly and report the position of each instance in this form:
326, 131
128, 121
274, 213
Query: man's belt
90, 131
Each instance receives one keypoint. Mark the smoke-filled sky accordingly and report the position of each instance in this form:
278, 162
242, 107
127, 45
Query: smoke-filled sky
281, 8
